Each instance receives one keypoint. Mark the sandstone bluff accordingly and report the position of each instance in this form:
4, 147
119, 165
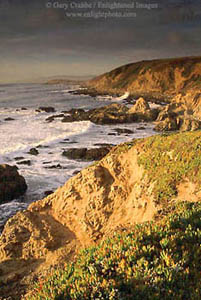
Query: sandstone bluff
122, 189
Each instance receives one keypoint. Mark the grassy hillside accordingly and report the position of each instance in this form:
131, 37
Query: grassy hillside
156, 78
150, 261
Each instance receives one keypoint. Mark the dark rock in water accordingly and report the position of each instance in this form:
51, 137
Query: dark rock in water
9, 119
89, 92
19, 158
76, 172
111, 133
12, 185
58, 166
76, 115
104, 145
97, 153
33, 151
24, 162
51, 118
47, 109
23, 108
68, 142
141, 128
47, 193
75, 153
68, 119
86, 154
76, 111
42, 146
123, 131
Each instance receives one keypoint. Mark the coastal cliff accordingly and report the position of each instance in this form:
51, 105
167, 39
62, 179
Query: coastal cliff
134, 183
159, 79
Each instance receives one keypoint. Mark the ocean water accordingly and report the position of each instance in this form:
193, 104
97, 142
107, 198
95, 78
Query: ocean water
29, 129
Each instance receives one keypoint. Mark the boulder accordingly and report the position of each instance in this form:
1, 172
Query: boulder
168, 124
47, 109
86, 154
141, 105
33, 151
58, 166
143, 112
18, 158
24, 162
123, 131
12, 185
75, 153
9, 119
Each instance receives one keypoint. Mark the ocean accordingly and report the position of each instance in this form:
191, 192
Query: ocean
28, 128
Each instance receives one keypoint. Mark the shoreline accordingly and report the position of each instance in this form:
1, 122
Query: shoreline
152, 97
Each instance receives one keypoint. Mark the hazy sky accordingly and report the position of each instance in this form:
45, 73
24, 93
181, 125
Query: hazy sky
40, 38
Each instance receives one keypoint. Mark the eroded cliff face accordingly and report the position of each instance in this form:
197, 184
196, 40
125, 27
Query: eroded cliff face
89, 206
191, 102
162, 78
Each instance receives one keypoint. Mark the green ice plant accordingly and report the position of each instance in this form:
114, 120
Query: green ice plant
168, 160
150, 261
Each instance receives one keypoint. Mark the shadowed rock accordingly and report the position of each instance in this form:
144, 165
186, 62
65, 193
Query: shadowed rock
86, 154
12, 185
111, 114
47, 109
33, 151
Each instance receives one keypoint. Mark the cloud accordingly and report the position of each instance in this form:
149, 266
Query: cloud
33, 35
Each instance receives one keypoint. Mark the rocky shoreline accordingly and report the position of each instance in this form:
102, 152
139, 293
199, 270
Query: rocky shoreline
177, 115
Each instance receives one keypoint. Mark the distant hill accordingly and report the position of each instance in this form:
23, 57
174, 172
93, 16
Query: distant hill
157, 78
67, 79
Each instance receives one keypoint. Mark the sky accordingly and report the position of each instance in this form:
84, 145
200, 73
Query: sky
48, 38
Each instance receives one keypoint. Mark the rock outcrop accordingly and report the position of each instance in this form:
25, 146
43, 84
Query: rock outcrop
142, 109
110, 114
177, 116
12, 185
